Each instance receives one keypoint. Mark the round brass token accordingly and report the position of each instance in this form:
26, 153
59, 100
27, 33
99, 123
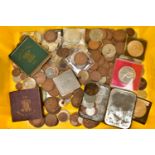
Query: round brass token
140, 109
135, 48
29, 83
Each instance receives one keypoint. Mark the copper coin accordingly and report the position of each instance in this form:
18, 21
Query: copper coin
74, 119
130, 32
63, 52
94, 67
23, 76
96, 55
40, 77
87, 38
78, 92
76, 101
51, 120
104, 42
80, 58
135, 48
140, 109
16, 72
119, 35
52, 105
50, 36
104, 33
94, 45
89, 123
54, 92
91, 89
103, 71
143, 84
109, 34
120, 47
63, 116
19, 86
37, 122
101, 61
95, 76
63, 65
48, 85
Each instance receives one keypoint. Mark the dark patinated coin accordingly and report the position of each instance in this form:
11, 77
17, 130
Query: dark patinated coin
37, 122
51, 120
76, 101
91, 89
130, 32
143, 84
90, 123
63, 116
63, 52
74, 119
52, 105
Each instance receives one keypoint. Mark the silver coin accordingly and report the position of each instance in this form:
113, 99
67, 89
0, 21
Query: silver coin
29, 83
96, 34
72, 35
90, 111
103, 80
16, 79
109, 51
51, 72
126, 74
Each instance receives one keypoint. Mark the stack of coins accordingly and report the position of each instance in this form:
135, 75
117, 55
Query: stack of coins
91, 55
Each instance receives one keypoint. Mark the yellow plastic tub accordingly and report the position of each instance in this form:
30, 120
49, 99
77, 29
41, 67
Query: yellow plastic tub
9, 38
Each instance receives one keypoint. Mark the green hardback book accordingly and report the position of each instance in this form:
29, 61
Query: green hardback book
29, 56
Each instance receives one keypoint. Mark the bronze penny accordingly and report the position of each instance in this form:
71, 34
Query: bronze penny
90, 123
101, 61
50, 36
51, 120
119, 35
63, 116
52, 105
87, 38
80, 58
95, 76
23, 76
16, 72
40, 77
94, 45
63, 52
135, 48
54, 92
76, 101
130, 32
94, 67
37, 122
104, 33
63, 65
120, 47
109, 34
143, 84
96, 55
74, 119
140, 109
78, 92
103, 71
19, 86
48, 85
91, 89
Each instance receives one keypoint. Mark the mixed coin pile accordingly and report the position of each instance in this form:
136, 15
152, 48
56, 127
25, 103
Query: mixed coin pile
98, 70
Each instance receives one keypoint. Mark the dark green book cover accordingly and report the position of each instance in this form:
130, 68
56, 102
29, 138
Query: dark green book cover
29, 56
